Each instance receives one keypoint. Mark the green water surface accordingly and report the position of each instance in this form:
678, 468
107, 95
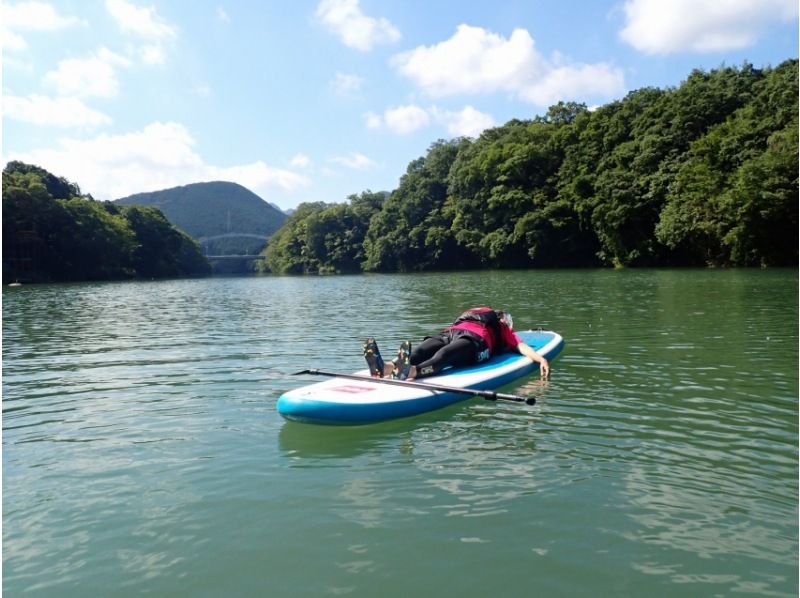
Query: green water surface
142, 453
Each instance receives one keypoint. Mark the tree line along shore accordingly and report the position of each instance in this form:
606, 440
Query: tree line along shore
704, 174
54, 233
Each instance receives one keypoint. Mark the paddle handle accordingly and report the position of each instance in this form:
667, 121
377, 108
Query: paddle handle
507, 397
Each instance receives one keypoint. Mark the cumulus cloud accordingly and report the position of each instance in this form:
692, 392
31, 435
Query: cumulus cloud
143, 21
478, 61
89, 77
373, 120
657, 27
30, 16
471, 61
467, 122
406, 119
54, 112
574, 81
355, 161
145, 24
153, 54
355, 29
403, 120
159, 156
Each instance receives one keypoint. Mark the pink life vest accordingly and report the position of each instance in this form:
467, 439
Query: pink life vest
483, 322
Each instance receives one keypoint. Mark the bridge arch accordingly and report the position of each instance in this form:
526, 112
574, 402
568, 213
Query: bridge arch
202, 240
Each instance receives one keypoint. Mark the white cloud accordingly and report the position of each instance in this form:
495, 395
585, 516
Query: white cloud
12, 41
222, 15
356, 30
406, 119
54, 112
30, 16
373, 120
478, 61
153, 54
471, 61
355, 161
159, 156
259, 177
467, 122
346, 86
300, 161
90, 77
570, 82
35, 16
657, 27
142, 21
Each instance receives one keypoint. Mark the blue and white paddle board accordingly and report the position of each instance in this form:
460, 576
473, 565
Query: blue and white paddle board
346, 401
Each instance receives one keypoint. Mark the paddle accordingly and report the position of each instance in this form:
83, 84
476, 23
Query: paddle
489, 395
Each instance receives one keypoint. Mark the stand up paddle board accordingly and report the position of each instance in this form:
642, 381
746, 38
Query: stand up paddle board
351, 400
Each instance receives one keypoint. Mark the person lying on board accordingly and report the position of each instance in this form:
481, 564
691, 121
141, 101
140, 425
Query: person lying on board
475, 336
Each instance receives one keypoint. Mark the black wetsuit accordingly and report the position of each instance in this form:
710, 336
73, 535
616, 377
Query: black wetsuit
450, 348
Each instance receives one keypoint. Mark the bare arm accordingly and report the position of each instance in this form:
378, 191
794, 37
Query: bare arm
544, 365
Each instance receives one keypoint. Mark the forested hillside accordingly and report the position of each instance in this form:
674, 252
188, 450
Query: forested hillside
51, 232
218, 209
702, 174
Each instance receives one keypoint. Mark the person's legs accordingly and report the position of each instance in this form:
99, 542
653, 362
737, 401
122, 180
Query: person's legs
425, 350
428, 348
458, 352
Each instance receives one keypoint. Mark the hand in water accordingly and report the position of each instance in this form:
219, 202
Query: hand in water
544, 368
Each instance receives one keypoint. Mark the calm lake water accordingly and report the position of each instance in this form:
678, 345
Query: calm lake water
142, 453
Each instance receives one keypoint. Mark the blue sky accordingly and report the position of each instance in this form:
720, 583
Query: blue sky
316, 100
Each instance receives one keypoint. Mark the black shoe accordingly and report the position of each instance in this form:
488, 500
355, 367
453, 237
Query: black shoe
402, 365
373, 357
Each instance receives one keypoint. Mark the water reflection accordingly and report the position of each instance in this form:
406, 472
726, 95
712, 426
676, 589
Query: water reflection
303, 441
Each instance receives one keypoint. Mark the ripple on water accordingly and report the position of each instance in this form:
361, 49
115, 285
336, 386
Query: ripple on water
140, 436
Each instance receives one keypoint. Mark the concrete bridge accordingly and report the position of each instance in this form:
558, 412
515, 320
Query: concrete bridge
229, 257
234, 257
202, 240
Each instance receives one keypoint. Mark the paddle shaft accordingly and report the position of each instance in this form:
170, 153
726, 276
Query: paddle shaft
489, 395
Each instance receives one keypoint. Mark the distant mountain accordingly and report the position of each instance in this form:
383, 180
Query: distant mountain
215, 209
277, 207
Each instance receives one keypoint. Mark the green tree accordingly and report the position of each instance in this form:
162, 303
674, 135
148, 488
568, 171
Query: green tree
57, 187
734, 197
32, 225
73, 237
697, 174
162, 250
507, 174
323, 238
410, 233
93, 243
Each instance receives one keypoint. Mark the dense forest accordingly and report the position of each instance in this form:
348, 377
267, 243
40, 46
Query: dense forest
705, 174
51, 232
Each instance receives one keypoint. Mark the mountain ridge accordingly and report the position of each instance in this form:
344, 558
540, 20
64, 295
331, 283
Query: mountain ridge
215, 209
